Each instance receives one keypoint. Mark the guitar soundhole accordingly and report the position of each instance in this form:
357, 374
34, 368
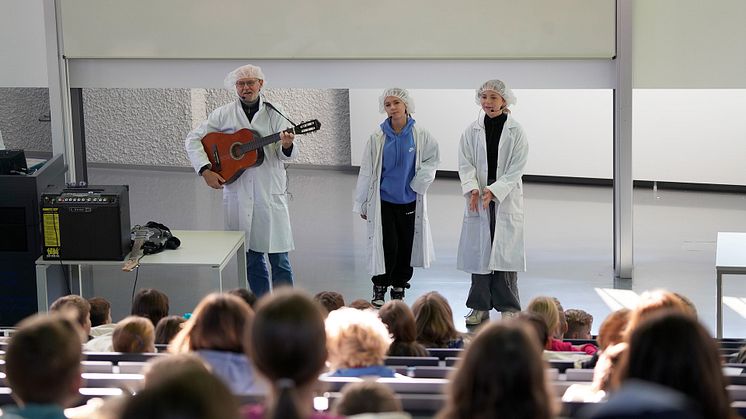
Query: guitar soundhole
235, 151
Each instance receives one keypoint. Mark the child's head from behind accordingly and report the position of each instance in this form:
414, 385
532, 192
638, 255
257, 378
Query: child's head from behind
134, 334
546, 308
42, 361
579, 324
434, 320
356, 338
367, 397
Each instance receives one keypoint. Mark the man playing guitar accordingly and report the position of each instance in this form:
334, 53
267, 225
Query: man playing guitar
256, 201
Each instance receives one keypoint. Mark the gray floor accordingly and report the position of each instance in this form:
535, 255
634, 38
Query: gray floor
569, 242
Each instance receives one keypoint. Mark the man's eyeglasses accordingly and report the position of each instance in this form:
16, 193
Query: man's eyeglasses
247, 83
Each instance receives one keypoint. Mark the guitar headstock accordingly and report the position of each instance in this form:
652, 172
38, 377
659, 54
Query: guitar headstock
307, 126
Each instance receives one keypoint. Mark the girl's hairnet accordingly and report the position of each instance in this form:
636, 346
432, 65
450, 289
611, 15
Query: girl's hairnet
247, 71
402, 94
501, 89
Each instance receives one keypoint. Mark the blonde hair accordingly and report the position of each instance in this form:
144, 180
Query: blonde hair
356, 338
134, 334
546, 308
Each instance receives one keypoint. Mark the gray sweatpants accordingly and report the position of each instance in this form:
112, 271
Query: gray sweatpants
498, 289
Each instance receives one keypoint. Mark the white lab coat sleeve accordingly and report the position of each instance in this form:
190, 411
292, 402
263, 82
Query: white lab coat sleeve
425, 175
362, 194
514, 170
279, 124
467, 170
193, 140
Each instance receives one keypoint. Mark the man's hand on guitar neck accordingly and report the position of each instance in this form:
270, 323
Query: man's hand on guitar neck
213, 179
287, 139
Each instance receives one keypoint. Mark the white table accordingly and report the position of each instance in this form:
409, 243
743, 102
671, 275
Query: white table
213, 249
730, 259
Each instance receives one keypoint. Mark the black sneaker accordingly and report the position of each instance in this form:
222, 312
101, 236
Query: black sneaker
379, 295
397, 293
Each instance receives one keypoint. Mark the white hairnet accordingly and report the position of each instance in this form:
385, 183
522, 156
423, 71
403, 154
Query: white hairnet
247, 71
501, 89
402, 94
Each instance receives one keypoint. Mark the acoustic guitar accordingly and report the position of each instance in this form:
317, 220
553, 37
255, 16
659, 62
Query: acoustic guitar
231, 154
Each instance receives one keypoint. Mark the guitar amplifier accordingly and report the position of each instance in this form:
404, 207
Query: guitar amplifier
90, 223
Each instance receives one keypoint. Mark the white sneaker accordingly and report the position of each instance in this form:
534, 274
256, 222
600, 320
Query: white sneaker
509, 314
476, 317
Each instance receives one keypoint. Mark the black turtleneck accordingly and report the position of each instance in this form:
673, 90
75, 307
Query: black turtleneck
493, 127
250, 109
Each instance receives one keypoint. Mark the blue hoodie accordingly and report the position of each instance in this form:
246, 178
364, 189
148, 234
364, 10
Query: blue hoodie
399, 154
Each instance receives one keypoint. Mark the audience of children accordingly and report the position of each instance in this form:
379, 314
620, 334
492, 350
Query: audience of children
399, 319
215, 333
434, 320
357, 342
500, 374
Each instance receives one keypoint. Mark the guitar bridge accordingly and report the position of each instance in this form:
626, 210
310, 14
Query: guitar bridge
216, 158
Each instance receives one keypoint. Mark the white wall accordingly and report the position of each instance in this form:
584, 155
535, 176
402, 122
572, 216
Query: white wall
570, 132
348, 29
23, 52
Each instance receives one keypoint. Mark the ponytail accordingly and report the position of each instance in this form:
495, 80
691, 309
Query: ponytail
286, 403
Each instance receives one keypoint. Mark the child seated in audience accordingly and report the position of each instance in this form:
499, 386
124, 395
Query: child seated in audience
42, 367
361, 304
330, 300
134, 334
245, 295
370, 400
78, 307
612, 328
562, 329
500, 375
673, 349
215, 334
150, 303
434, 320
652, 302
398, 318
287, 342
100, 316
357, 341
546, 308
579, 324
187, 394
162, 368
167, 328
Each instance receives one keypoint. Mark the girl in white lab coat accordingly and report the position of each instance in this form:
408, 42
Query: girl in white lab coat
398, 166
492, 155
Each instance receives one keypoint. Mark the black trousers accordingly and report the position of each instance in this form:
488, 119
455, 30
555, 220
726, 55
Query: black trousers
397, 223
497, 289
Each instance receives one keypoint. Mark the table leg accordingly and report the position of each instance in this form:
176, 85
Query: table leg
719, 306
42, 296
243, 281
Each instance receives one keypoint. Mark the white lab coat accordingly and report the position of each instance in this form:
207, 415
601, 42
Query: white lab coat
257, 201
507, 251
368, 198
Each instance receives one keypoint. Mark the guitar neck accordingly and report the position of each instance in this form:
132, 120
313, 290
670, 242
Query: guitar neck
255, 145
135, 255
